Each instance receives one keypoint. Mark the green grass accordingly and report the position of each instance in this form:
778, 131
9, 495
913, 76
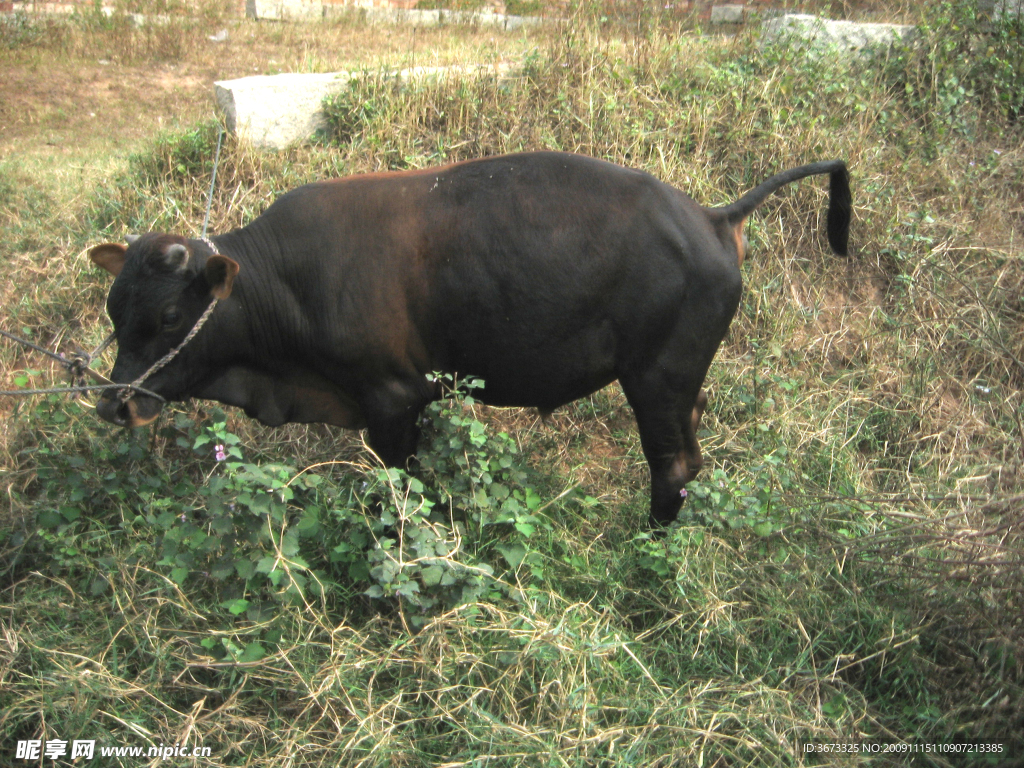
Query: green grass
848, 568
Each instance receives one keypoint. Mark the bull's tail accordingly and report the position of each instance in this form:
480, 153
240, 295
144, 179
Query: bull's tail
839, 202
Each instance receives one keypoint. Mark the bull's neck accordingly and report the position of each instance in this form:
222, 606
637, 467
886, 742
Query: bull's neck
271, 321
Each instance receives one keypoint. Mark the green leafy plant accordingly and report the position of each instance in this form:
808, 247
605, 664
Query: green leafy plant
265, 533
962, 60
438, 535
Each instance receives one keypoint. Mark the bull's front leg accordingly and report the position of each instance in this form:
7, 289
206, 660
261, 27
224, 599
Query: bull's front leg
392, 412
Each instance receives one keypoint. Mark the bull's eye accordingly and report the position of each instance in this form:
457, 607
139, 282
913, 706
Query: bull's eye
170, 318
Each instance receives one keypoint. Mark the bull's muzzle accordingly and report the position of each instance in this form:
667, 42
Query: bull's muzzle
137, 411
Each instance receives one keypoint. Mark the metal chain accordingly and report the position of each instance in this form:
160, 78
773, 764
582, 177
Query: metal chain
77, 365
103, 347
213, 181
76, 390
67, 362
37, 348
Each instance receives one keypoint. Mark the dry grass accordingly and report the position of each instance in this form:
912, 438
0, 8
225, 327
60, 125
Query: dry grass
885, 390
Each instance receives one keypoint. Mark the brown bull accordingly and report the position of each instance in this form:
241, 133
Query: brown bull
548, 275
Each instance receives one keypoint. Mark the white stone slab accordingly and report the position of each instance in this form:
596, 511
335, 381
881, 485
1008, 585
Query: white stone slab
311, 10
277, 111
727, 14
824, 34
284, 10
435, 18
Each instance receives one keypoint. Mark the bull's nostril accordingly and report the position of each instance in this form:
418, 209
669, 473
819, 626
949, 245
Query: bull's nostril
136, 412
113, 411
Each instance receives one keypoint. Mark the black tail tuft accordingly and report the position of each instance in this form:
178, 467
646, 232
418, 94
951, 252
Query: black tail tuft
839, 205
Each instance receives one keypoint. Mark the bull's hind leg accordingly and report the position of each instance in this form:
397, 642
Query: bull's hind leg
668, 415
690, 432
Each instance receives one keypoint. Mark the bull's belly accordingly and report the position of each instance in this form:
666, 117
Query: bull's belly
538, 391
540, 375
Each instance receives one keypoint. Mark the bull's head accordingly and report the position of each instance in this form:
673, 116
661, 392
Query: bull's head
162, 285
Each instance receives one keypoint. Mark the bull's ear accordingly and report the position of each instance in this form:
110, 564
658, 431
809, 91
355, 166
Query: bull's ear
109, 256
220, 273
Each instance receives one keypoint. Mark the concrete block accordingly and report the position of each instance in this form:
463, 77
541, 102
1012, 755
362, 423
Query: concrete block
276, 111
727, 14
825, 34
434, 18
284, 10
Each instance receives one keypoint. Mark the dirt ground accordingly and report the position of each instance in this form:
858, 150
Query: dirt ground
70, 108
90, 107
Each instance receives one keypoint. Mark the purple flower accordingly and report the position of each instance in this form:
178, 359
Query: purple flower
219, 453
682, 493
